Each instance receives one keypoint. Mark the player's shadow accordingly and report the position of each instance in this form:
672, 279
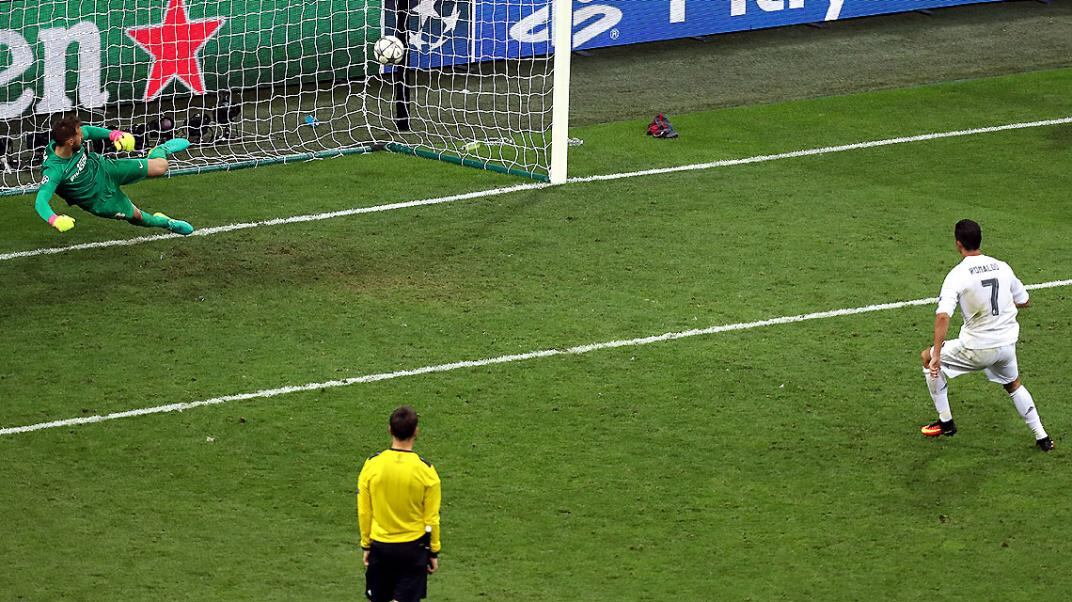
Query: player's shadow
1061, 136
943, 471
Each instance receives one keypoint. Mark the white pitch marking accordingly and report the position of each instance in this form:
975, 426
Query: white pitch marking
534, 186
502, 359
824, 150
274, 222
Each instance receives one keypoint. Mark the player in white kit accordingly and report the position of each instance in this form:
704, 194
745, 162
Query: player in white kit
989, 295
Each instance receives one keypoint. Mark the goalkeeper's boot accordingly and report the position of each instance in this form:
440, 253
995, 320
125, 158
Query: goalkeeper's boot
1045, 444
177, 225
938, 428
175, 145
164, 149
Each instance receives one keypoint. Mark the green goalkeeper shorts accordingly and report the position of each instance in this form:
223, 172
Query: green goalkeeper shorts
113, 202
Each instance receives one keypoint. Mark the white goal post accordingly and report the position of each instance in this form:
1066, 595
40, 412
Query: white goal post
563, 39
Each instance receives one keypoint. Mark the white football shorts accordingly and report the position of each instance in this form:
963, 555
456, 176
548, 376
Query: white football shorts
998, 363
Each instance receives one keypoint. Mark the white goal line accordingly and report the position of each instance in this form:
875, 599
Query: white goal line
502, 359
210, 231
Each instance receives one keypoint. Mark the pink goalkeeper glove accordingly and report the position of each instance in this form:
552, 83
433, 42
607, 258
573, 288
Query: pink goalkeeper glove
62, 223
122, 140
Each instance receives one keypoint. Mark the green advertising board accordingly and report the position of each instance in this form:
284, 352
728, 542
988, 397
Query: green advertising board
59, 54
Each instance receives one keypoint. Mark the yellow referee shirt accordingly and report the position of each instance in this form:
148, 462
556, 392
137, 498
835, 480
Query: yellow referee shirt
398, 498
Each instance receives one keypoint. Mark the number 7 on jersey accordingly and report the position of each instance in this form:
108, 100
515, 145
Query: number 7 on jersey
993, 283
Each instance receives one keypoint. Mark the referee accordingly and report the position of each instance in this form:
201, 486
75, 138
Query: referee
398, 500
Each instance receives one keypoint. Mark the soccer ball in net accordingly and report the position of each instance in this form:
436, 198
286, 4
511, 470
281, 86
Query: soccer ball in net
389, 50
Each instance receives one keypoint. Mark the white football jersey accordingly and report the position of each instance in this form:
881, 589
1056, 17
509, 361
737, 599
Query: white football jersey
987, 291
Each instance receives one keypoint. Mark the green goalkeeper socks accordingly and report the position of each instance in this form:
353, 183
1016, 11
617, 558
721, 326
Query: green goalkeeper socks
153, 221
159, 220
174, 145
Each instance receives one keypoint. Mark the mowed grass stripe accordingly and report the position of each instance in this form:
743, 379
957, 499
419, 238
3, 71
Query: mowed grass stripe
211, 231
503, 359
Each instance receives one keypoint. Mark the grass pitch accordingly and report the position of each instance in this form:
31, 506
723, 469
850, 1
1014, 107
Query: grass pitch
774, 463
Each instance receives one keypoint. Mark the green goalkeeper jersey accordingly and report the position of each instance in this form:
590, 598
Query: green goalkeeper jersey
79, 180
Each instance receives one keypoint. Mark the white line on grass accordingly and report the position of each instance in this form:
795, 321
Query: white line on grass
274, 222
535, 186
825, 150
502, 359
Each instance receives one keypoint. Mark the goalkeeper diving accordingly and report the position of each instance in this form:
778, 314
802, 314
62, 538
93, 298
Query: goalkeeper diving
90, 181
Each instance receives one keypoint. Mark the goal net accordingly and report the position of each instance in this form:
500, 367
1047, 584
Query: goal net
251, 82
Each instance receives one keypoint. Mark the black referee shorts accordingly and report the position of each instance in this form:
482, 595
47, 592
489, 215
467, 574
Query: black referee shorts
397, 571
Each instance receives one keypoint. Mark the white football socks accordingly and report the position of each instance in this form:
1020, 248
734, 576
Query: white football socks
1025, 404
939, 389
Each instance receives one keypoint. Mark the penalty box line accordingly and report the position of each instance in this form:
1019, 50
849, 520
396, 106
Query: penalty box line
210, 231
502, 359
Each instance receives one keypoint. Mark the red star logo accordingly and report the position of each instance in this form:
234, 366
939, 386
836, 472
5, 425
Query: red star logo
174, 45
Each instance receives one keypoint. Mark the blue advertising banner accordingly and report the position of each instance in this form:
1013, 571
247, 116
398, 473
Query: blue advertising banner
445, 32
636, 21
